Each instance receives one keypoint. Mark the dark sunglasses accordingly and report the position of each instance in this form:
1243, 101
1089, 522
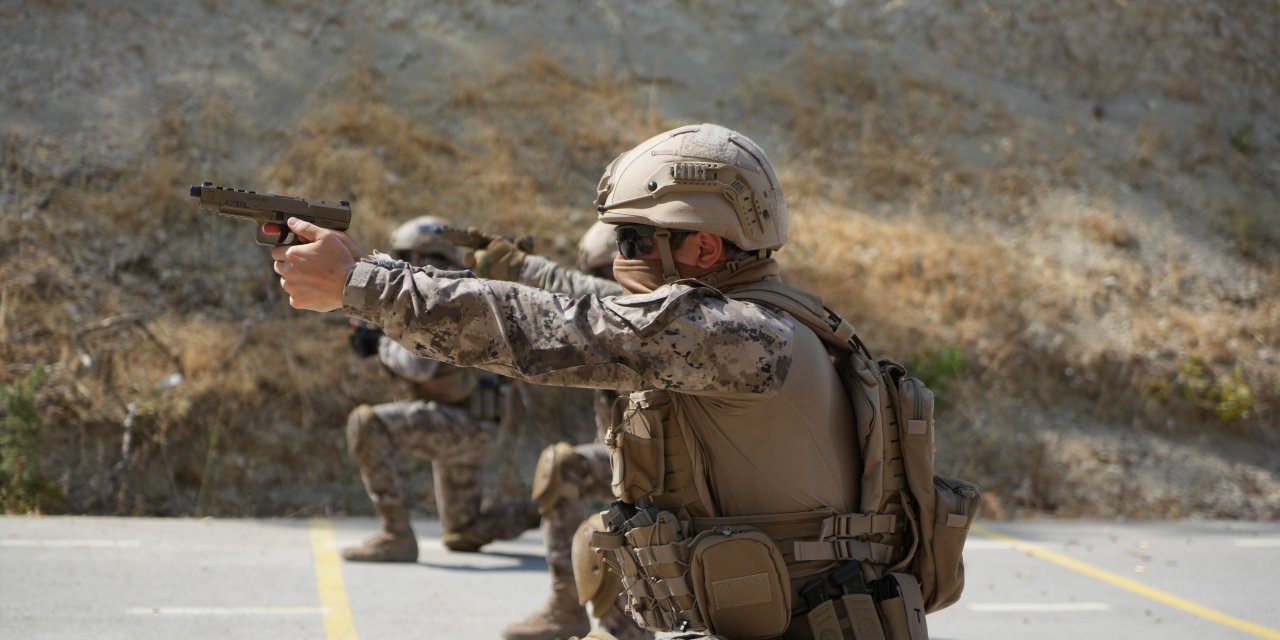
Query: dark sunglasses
634, 240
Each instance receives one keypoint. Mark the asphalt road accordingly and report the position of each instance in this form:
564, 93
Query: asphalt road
141, 578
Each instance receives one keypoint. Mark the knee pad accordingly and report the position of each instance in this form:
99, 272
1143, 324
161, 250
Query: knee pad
358, 423
558, 474
596, 583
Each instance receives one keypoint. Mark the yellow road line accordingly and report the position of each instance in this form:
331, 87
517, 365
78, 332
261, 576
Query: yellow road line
338, 624
1108, 577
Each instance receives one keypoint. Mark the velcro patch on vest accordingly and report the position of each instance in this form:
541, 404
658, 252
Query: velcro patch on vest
957, 520
740, 592
917, 427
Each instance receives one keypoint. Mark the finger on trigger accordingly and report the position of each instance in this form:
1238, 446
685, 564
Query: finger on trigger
303, 229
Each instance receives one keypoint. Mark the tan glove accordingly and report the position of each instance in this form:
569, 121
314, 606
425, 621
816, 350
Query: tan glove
470, 238
499, 260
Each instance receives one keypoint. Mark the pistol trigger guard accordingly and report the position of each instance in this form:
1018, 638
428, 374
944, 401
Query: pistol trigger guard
283, 237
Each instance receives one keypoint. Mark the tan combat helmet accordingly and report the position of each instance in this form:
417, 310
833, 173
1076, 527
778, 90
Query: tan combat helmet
597, 248
700, 177
419, 239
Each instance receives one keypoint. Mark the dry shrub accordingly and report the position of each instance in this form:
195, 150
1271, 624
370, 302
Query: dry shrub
1104, 229
520, 160
113, 276
858, 124
1053, 314
259, 414
908, 284
967, 241
178, 383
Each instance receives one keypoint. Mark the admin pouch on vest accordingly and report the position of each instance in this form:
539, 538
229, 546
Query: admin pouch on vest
730, 581
894, 561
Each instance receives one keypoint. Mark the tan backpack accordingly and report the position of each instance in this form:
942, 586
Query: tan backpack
930, 515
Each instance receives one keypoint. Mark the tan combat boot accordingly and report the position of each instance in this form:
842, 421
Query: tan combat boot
394, 543
463, 541
561, 618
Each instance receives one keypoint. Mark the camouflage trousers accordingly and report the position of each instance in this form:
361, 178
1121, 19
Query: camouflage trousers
561, 521
592, 476
457, 446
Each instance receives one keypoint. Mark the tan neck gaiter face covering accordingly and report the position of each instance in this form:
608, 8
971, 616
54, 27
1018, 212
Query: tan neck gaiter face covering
643, 276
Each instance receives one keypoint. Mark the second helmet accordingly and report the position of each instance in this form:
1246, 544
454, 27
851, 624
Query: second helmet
421, 237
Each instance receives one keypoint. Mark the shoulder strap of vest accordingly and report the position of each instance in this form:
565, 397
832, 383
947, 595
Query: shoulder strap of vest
807, 308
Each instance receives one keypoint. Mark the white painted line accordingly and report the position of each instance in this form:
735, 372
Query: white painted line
226, 611
1037, 607
1256, 542
65, 544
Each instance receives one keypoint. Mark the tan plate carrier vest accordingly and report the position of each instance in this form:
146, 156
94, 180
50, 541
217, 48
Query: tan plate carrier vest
782, 575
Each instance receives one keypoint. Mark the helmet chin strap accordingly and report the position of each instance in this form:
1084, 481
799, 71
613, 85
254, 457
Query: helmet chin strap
719, 275
663, 240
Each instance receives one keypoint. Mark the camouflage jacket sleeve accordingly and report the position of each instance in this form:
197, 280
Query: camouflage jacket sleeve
546, 274
404, 363
683, 338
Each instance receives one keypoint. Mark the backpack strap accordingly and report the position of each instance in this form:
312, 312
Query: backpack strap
807, 308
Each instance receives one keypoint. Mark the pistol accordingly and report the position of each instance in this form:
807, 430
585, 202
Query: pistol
473, 238
265, 207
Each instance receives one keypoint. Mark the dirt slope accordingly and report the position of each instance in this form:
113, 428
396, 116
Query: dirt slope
1064, 214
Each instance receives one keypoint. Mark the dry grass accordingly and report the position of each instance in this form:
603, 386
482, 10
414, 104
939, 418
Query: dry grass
254, 423
112, 277
520, 159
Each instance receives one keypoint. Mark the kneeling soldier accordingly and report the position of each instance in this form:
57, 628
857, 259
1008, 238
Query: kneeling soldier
454, 423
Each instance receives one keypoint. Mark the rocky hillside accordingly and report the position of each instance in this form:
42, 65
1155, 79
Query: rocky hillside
1063, 214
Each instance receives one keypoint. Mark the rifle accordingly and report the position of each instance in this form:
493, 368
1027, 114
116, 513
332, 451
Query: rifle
265, 207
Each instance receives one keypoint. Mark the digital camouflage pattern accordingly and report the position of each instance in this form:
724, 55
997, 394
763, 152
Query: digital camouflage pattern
547, 275
681, 338
457, 447
726, 361
752, 386
446, 433
742, 390
588, 475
